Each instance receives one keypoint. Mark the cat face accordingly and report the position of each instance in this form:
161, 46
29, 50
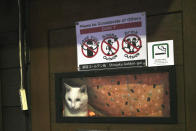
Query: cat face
76, 97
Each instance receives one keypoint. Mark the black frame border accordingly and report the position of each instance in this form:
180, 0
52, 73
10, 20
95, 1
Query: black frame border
139, 120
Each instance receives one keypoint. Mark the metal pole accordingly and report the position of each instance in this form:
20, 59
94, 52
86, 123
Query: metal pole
20, 45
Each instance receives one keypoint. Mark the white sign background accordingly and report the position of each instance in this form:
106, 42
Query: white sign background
117, 26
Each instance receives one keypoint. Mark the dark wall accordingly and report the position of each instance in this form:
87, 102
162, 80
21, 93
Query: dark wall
53, 42
189, 31
13, 118
164, 26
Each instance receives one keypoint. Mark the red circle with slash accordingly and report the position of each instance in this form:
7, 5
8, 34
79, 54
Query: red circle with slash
111, 47
131, 44
89, 48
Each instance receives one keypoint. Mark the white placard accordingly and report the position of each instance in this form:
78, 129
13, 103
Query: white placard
160, 53
112, 42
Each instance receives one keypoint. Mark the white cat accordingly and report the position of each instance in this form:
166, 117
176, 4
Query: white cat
76, 101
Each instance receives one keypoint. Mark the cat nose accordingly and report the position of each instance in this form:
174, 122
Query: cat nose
72, 105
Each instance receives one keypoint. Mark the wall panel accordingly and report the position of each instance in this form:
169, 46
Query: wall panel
10, 79
189, 30
53, 43
1, 122
13, 119
9, 49
9, 15
62, 58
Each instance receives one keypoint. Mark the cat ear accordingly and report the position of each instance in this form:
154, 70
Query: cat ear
67, 87
83, 88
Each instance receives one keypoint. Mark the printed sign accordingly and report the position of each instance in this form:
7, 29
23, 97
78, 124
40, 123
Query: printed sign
131, 44
89, 48
110, 46
112, 42
160, 53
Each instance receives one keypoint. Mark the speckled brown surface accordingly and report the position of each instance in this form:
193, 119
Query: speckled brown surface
142, 95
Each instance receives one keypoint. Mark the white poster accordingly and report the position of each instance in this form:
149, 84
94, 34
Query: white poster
160, 53
112, 42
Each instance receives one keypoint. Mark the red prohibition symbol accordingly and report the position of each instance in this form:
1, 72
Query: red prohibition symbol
131, 44
89, 48
110, 46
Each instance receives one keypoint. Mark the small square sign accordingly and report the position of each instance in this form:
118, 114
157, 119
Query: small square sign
160, 53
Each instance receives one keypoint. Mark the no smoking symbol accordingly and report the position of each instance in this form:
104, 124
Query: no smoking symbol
89, 48
131, 44
110, 46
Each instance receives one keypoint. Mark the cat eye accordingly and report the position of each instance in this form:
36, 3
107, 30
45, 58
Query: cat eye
77, 99
69, 99
68, 89
82, 90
